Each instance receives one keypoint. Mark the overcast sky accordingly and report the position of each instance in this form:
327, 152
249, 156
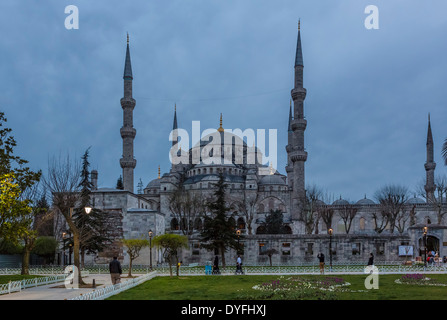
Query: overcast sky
369, 92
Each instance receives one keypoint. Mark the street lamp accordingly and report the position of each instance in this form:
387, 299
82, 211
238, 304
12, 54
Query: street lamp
238, 232
64, 234
150, 248
88, 209
425, 230
330, 248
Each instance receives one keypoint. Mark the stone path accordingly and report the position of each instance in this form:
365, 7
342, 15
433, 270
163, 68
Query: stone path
51, 292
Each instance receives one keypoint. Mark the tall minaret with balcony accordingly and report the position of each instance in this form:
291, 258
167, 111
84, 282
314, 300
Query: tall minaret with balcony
295, 149
430, 166
127, 131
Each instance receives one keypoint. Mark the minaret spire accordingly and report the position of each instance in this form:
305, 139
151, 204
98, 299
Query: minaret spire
128, 132
128, 65
299, 51
220, 127
430, 166
296, 153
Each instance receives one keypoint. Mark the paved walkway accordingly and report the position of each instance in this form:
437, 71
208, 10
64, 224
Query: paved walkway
52, 292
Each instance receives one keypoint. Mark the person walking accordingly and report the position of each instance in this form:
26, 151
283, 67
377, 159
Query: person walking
371, 259
239, 265
320, 257
115, 270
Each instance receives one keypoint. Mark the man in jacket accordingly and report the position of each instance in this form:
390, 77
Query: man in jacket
115, 270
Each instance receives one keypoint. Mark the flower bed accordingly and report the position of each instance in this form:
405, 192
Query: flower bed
419, 279
296, 288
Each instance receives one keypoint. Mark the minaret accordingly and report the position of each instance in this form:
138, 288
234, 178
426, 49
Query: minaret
296, 153
127, 131
289, 167
430, 166
175, 150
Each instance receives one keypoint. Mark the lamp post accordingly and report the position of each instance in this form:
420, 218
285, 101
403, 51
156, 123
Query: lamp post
238, 232
150, 248
425, 230
64, 234
330, 248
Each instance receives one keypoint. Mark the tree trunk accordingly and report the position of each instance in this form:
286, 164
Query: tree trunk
130, 268
76, 254
25, 259
222, 250
177, 266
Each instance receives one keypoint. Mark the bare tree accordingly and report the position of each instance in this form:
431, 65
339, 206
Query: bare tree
186, 206
381, 220
392, 200
309, 214
347, 213
62, 182
438, 203
327, 214
402, 218
247, 206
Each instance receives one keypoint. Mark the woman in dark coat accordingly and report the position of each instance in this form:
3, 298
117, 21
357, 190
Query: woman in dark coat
371, 259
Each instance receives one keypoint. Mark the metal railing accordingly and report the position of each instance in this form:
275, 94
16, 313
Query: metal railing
104, 293
14, 286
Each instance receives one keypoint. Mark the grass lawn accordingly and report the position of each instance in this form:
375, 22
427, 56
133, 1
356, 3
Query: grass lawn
15, 277
230, 287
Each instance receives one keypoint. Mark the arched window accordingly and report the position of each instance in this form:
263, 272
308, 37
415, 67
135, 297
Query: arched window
362, 223
271, 204
287, 230
174, 224
341, 226
241, 223
260, 230
232, 222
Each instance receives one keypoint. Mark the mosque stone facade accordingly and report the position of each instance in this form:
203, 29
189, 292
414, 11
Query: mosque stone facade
253, 190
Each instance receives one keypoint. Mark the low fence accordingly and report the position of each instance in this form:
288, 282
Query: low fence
14, 286
103, 293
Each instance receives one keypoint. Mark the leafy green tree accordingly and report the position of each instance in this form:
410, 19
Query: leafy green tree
219, 228
171, 243
134, 247
7, 247
45, 247
274, 222
14, 213
15, 179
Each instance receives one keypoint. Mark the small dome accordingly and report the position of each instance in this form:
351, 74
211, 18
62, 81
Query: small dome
365, 201
272, 179
340, 202
415, 200
153, 184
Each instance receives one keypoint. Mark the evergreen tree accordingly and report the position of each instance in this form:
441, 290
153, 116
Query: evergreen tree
219, 229
274, 222
119, 183
93, 227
